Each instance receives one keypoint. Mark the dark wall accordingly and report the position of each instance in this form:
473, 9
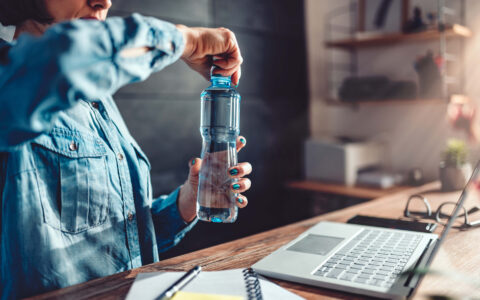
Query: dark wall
163, 112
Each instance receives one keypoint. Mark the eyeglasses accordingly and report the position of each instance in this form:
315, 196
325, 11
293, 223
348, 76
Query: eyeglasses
443, 213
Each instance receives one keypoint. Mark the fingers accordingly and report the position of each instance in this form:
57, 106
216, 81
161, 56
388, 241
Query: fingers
232, 50
225, 72
229, 68
241, 201
238, 187
241, 142
194, 165
203, 44
235, 73
240, 170
236, 77
242, 185
228, 63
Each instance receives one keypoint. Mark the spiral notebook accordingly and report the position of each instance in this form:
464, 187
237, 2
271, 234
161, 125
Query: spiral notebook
236, 284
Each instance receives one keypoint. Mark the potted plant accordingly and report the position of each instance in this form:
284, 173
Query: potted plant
454, 169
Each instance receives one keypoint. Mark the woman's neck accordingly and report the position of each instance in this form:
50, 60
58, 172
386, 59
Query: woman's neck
32, 27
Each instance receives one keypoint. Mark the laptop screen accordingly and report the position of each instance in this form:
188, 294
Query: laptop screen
453, 214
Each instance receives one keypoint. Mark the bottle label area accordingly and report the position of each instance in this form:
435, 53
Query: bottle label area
214, 190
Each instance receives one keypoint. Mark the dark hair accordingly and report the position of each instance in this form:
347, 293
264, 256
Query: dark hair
15, 12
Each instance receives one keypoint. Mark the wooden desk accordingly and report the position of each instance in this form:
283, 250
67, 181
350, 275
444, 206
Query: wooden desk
463, 245
343, 190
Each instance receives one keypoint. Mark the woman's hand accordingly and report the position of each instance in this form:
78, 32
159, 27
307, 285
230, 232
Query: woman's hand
187, 199
205, 47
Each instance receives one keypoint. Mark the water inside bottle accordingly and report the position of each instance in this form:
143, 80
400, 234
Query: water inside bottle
219, 128
216, 201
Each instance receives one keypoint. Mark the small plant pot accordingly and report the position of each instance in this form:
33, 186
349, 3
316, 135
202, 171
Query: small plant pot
454, 178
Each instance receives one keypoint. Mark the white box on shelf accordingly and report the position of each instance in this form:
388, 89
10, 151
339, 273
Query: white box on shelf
339, 160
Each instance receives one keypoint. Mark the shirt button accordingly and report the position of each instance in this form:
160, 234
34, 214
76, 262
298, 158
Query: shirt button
73, 146
130, 216
95, 105
120, 156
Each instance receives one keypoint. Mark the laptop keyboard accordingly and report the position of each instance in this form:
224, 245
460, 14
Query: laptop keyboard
373, 257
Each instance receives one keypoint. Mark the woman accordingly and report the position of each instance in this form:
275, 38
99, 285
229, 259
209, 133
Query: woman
74, 185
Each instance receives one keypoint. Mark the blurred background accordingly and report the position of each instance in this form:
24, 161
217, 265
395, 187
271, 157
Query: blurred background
342, 101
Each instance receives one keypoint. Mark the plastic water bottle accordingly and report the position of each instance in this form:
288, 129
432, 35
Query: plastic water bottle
220, 127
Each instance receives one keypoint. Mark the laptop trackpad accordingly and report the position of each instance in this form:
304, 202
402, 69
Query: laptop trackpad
316, 244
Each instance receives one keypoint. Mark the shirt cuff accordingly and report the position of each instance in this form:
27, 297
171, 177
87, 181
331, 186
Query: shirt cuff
169, 225
167, 40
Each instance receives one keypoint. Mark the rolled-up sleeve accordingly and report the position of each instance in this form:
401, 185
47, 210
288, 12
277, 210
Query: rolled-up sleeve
170, 228
81, 59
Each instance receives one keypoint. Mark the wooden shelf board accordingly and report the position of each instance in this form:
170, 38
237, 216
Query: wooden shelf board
386, 101
339, 189
452, 31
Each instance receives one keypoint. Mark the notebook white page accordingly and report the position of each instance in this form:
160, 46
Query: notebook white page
230, 282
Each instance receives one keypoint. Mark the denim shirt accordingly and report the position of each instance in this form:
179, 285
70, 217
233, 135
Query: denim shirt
75, 190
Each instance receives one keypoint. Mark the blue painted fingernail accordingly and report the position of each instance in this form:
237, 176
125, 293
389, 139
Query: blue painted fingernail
193, 161
236, 186
240, 200
233, 172
242, 140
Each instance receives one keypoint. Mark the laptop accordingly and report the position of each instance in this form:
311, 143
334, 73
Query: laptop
359, 259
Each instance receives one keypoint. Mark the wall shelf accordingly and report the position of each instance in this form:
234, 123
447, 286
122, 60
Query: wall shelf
339, 67
452, 31
340, 189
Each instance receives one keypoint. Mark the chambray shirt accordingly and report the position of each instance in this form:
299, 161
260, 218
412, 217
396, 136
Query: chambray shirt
75, 190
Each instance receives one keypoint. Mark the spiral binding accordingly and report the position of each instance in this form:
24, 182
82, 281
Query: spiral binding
252, 284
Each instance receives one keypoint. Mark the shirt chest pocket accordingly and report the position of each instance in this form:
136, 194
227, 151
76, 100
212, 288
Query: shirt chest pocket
72, 179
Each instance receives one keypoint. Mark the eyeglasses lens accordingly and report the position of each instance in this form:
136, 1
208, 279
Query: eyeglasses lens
446, 210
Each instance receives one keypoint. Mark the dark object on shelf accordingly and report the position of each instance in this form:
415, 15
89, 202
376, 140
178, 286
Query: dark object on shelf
429, 77
363, 88
393, 223
382, 12
432, 20
368, 88
415, 177
415, 24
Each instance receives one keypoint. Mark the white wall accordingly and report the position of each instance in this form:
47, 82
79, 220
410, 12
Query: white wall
416, 133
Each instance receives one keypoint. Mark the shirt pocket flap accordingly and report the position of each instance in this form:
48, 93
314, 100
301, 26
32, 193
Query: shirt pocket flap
141, 154
72, 144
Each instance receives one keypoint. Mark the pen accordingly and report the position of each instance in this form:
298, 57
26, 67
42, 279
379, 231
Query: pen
179, 284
